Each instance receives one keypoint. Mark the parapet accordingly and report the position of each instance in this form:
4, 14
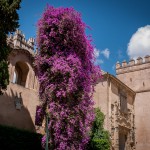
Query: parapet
133, 65
139, 60
18, 41
124, 63
147, 58
131, 62
118, 65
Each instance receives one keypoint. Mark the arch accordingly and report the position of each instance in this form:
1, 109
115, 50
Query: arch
20, 73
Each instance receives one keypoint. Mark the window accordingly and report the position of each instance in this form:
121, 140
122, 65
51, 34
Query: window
123, 103
20, 73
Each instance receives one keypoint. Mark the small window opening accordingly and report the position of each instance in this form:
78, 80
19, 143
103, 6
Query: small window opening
20, 73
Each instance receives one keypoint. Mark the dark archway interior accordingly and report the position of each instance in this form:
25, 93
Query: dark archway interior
21, 72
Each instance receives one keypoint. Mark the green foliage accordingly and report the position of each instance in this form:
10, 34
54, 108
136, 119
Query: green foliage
16, 139
99, 137
8, 23
100, 144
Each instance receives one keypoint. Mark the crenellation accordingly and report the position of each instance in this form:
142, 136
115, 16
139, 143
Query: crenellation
133, 65
11, 36
139, 60
124, 63
147, 58
10, 40
18, 32
18, 40
31, 42
131, 62
118, 65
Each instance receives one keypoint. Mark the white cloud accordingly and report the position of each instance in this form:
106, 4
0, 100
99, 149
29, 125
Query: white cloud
139, 44
99, 61
96, 52
114, 67
106, 53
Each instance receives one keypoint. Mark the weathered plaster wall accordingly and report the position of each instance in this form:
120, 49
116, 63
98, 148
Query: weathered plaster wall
137, 77
100, 98
25, 117
142, 120
107, 97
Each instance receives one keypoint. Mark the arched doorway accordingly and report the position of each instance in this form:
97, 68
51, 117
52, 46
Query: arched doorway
20, 73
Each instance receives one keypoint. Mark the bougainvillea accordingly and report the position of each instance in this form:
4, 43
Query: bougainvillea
66, 72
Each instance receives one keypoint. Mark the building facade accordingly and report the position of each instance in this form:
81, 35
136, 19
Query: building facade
136, 75
123, 99
116, 101
18, 104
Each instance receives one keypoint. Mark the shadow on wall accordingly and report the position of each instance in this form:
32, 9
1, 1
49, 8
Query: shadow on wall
14, 113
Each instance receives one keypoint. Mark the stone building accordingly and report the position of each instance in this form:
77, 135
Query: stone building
136, 75
116, 101
18, 104
123, 99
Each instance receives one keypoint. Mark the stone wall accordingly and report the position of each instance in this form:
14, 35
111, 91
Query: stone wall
18, 104
21, 117
136, 75
100, 98
107, 98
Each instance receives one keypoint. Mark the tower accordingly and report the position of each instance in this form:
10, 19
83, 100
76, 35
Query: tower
136, 75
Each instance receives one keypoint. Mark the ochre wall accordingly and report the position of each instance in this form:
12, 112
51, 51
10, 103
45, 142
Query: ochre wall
107, 98
25, 117
137, 77
142, 121
100, 98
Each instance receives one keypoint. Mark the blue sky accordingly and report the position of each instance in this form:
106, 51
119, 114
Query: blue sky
120, 28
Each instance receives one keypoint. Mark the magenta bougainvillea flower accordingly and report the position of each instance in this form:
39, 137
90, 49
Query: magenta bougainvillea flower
67, 74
